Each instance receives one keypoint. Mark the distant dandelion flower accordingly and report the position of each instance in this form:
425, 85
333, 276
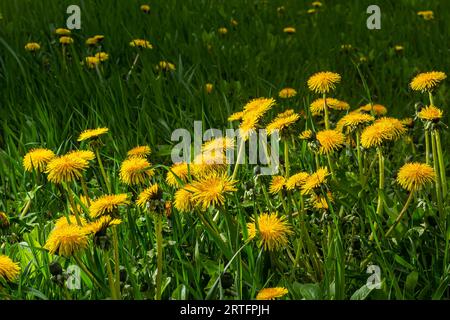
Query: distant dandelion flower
107, 204
92, 133
135, 171
4, 220
278, 183
430, 113
66, 168
316, 4
413, 176
177, 171
209, 87
150, 193
9, 270
37, 159
306, 134
398, 48
346, 47
311, 11
91, 41
141, 43
426, 14
139, 152
68, 220
165, 66
323, 82
287, 93
67, 241
102, 56
407, 122
218, 145
384, 129
427, 81
289, 30
212, 189
207, 162
145, 8
320, 201
271, 293
377, 109
234, 23
92, 62
62, 32
317, 107
282, 121
32, 47
315, 180
101, 224
183, 199
296, 180
64, 40
223, 31
256, 108
330, 140
353, 120
271, 231
236, 116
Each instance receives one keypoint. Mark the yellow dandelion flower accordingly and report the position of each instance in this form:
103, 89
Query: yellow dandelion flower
282, 121
68, 220
287, 93
426, 14
212, 189
101, 224
209, 87
222, 30
66, 168
236, 116
323, 82
218, 145
346, 47
413, 176
399, 48
64, 40
62, 32
353, 120
315, 180
83, 154
37, 159
92, 62
320, 201
4, 220
377, 109
271, 231
256, 108
139, 152
99, 37
67, 241
430, 113
407, 122
316, 4
32, 47
180, 171
317, 107
165, 66
330, 140
145, 8
271, 293
107, 204
102, 56
150, 193
311, 11
141, 43
183, 199
135, 171
296, 180
234, 23
289, 30
85, 202
92, 134
91, 41
427, 81
277, 184
384, 129
306, 134
9, 270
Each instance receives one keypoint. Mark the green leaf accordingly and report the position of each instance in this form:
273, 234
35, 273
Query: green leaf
307, 291
411, 281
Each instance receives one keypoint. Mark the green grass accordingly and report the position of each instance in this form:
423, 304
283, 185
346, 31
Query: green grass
46, 101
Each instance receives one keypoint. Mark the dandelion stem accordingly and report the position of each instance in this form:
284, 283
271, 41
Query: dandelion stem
238, 160
381, 182
116, 261
427, 146
102, 170
330, 165
86, 270
400, 215
112, 287
437, 178
325, 108
358, 153
441, 163
132, 66
72, 204
85, 191
286, 158
159, 249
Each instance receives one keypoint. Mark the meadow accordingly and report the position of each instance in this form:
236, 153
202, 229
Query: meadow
86, 177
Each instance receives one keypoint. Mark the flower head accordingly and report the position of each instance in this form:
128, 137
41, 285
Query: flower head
62, 32
330, 140
323, 82
430, 113
64, 40
287, 93
9, 270
141, 43
306, 134
282, 121
32, 47
212, 189
377, 109
4, 220
139, 152
315, 181
320, 201
427, 81
102, 56
296, 180
209, 87
289, 30
87, 155
101, 224
37, 159
135, 171
223, 31
150, 193
67, 241
271, 231
183, 198
277, 184
92, 134
353, 120
165, 66
107, 204
317, 106
145, 8
177, 171
66, 168
92, 62
68, 220
384, 129
236, 116
413, 176
426, 14
271, 293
